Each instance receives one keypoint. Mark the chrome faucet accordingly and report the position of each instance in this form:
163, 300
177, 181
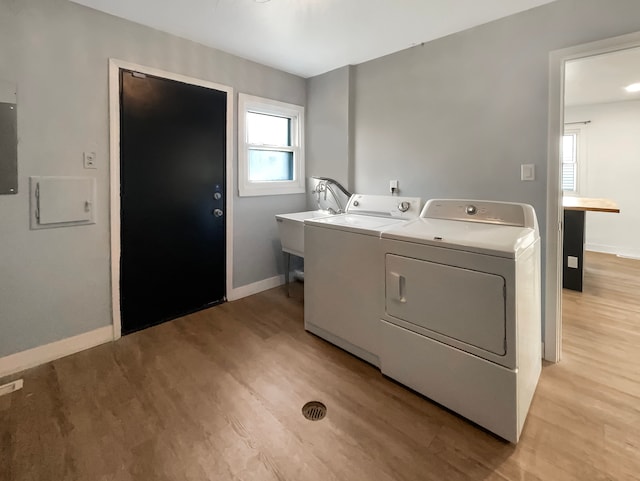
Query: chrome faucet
325, 185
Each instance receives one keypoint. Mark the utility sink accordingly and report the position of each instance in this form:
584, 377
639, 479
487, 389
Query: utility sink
291, 229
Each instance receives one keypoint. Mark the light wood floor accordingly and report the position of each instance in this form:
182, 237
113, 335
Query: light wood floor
217, 396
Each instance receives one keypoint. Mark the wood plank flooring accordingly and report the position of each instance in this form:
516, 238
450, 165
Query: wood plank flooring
217, 396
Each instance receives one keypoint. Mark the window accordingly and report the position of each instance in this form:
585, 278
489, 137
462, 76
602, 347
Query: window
570, 161
270, 147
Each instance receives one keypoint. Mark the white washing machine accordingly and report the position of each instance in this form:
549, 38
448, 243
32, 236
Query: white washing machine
344, 273
461, 317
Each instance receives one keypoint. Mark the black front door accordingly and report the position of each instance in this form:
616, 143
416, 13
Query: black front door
172, 174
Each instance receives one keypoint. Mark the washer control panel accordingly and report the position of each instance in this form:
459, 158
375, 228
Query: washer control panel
488, 212
385, 206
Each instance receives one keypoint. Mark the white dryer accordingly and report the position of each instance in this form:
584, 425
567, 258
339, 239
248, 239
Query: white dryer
344, 273
461, 318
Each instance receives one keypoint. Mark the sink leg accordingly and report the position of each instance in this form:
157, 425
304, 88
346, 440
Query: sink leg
287, 269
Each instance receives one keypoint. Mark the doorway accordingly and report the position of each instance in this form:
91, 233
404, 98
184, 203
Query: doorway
171, 222
561, 123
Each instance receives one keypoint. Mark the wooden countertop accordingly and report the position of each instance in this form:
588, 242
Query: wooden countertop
590, 204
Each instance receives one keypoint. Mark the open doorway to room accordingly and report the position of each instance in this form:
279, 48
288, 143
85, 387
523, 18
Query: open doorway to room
599, 172
599, 169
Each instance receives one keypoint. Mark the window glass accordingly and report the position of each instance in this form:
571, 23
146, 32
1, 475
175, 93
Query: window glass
569, 160
270, 165
263, 129
569, 148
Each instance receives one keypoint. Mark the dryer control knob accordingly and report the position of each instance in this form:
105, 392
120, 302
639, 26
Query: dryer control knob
404, 206
471, 209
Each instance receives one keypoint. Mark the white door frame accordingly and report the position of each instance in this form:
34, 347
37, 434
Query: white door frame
114, 159
553, 291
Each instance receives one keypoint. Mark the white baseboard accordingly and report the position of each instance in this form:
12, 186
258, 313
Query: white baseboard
619, 251
49, 352
250, 289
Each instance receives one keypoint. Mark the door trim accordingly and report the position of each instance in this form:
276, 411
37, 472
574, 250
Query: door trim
115, 66
553, 257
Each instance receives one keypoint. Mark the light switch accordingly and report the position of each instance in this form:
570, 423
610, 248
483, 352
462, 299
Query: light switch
572, 262
528, 172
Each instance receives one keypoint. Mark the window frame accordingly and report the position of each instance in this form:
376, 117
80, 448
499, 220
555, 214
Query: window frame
575, 136
580, 159
246, 187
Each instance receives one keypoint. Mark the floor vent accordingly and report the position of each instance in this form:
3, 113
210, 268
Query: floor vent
314, 410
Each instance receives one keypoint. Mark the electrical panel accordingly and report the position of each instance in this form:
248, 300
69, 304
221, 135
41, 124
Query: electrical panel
8, 138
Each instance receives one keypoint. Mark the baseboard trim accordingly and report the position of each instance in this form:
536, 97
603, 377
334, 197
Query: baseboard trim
256, 287
49, 352
606, 249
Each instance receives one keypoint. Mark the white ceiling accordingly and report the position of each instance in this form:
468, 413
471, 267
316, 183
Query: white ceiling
310, 37
602, 78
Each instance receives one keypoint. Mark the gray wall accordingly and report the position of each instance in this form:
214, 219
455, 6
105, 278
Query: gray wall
457, 116
55, 282
328, 146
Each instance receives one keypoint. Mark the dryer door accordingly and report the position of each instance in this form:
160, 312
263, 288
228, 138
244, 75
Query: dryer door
448, 302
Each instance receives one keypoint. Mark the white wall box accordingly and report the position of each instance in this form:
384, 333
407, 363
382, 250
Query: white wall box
62, 201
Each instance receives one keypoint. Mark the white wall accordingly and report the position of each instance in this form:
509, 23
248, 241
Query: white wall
610, 168
55, 283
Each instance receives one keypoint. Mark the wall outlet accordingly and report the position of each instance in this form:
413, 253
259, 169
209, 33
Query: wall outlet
393, 186
572, 262
11, 387
90, 160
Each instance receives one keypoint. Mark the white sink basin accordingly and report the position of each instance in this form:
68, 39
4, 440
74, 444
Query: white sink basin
291, 229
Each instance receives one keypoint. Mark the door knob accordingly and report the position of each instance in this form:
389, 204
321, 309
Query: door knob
217, 212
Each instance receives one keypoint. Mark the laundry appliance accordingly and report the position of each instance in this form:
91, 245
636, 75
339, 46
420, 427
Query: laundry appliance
344, 273
462, 302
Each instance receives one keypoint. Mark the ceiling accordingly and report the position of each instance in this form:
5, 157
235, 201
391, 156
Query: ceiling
310, 37
602, 78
